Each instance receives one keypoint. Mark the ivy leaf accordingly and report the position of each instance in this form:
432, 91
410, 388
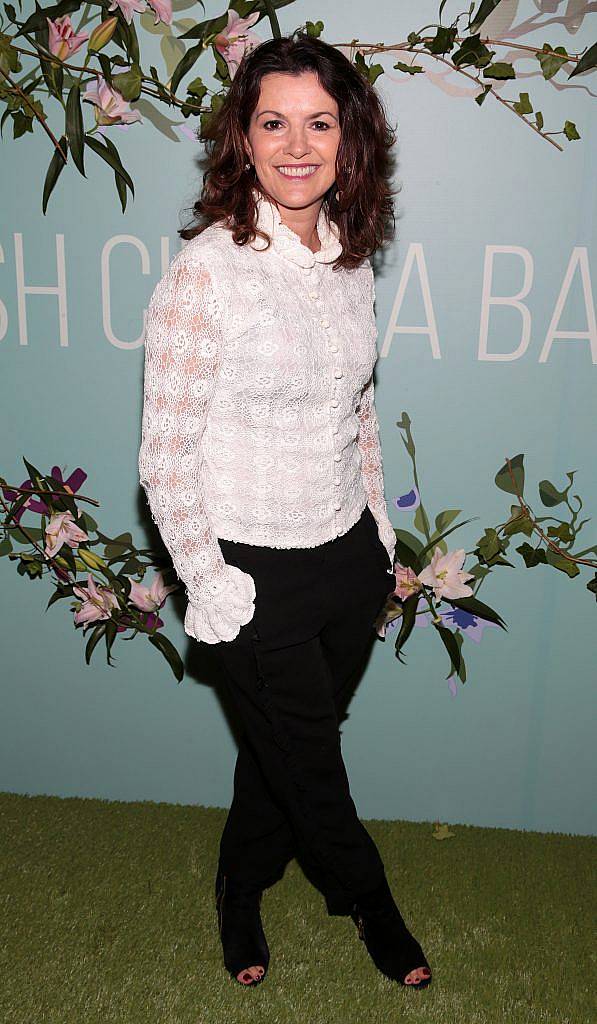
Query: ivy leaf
501, 70
550, 64
563, 564
503, 478
523, 104
409, 69
129, 83
532, 556
549, 494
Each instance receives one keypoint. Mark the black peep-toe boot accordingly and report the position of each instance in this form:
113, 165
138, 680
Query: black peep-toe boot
394, 951
241, 931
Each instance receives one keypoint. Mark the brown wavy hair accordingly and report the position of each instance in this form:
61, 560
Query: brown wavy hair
364, 213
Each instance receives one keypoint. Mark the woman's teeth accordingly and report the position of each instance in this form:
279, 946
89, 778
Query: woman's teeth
298, 172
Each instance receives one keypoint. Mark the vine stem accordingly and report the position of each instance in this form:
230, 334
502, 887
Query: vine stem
41, 490
38, 117
370, 48
550, 543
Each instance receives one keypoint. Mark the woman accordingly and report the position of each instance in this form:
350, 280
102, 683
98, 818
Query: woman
261, 462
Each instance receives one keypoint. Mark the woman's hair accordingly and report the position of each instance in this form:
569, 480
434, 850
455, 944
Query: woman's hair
363, 161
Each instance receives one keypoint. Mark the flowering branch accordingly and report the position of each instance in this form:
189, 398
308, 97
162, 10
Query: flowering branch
118, 80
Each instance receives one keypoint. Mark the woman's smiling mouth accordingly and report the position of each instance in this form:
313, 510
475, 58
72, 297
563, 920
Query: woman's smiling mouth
297, 170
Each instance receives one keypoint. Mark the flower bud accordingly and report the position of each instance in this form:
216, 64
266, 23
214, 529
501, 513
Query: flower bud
90, 559
102, 34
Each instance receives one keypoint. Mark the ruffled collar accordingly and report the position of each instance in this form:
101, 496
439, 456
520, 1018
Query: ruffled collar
288, 243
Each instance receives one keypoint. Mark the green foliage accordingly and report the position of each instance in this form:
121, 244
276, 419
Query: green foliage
63, 80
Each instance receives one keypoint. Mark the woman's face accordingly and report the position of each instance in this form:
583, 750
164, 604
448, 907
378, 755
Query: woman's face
294, 125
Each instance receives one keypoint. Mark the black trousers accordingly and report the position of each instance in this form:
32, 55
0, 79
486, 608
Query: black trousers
289, 671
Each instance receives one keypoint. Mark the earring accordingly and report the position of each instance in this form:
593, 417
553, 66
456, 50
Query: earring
247, 165
337, 195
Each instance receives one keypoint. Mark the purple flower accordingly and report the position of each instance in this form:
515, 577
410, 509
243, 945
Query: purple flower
408, 502
471, 625
36, 503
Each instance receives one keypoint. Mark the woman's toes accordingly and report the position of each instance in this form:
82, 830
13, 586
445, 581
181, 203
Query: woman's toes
419, 974
249, 975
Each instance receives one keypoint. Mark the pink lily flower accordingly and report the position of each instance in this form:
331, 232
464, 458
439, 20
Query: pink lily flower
162, 10
62, 529
128, 8
235, 40
97, 602
110, 106
149, 599
62, 40
407, 581
445, 574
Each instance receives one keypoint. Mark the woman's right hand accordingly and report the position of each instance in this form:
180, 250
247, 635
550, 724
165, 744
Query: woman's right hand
220, 618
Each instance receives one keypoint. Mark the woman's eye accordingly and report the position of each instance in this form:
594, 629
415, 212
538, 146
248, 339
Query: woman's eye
324, 124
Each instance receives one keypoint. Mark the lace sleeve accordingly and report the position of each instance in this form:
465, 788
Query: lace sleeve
371, 467
183, 351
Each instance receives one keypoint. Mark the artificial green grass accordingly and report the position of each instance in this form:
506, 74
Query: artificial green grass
108, 916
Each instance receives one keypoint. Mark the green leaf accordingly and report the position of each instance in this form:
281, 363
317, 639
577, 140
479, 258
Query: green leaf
563, 564
170, 653
475, 607
500, 70
106, 66
53, 172
407, 550
61, 590
503, 477
587, 62
314, 29
53, 75
446, 517
409, 69
549, 494
443, 41
409, 615
110, 635
487, 6
472, 51
449, 642
550, 64
129, 83
570, 131
523, 105
480, 97
109, 153
74, 127
185, 65
532, 556
96, 635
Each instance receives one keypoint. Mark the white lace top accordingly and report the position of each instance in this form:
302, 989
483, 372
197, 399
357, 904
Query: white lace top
259, 422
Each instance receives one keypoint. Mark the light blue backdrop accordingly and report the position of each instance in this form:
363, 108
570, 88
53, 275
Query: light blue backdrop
513, 747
